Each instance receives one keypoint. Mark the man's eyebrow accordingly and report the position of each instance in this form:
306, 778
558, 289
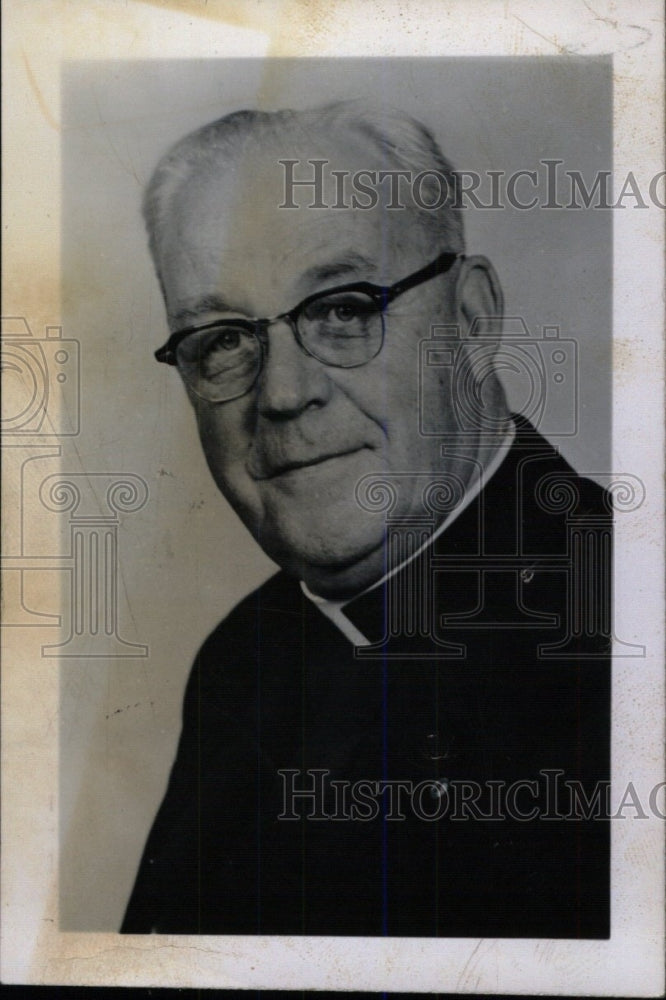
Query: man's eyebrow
206, 304
348, 263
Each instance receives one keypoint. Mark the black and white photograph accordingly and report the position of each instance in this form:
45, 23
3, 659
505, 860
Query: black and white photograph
333, 542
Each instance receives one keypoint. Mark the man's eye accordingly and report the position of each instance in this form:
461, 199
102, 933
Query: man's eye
347, 310
227, 339
220, 345
213, 354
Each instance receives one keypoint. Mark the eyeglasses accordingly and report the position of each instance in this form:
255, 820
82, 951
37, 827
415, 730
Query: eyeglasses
342, 327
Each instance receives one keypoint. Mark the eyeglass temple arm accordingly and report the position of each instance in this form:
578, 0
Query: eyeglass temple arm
441, 265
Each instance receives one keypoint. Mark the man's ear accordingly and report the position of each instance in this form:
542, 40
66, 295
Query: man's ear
479, 297
479, 313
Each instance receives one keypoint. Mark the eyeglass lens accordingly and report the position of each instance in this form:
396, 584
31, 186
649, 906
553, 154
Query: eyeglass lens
343, 329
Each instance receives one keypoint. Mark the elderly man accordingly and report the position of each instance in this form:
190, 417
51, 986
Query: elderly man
395, 733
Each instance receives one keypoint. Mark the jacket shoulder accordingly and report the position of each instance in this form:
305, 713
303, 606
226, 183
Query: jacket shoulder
226, 664
278, 596
547, 477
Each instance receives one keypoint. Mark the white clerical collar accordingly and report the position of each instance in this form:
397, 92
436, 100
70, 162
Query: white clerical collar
333, 609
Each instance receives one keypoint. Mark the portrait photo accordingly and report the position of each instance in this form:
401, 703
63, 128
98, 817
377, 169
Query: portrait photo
416, 437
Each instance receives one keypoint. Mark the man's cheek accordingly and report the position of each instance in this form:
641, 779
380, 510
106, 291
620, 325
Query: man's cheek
225, 468
220, 436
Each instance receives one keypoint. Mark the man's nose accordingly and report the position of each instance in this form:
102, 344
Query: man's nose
291, 381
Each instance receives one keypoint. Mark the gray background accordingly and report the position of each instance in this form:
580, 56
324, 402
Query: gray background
185, 559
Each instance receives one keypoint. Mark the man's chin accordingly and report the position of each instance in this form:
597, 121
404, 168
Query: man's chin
330, 569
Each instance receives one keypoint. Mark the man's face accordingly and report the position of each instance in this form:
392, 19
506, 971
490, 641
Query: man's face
289, 453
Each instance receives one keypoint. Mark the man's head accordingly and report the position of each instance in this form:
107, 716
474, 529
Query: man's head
301, 429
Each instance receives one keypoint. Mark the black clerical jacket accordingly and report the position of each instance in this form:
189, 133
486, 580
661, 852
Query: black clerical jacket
447, 780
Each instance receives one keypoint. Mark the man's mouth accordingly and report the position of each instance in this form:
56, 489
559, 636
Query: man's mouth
283, 468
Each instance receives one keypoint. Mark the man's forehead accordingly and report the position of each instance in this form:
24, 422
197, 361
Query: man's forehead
229, 227
297, 168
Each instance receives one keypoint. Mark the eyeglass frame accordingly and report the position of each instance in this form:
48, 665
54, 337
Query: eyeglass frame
381, 295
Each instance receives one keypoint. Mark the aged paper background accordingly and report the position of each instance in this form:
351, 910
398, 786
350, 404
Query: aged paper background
101, 89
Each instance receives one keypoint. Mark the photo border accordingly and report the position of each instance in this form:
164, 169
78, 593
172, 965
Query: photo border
37, 40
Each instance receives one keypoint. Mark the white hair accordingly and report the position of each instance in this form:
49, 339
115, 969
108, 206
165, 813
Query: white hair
402, 140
